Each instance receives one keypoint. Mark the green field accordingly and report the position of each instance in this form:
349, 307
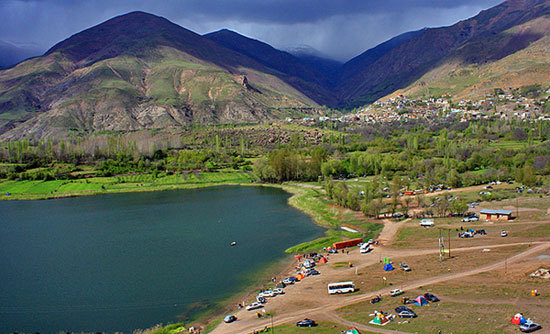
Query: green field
120, 183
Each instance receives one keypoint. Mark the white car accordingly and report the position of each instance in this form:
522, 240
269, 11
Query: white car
503, 234
253, 306
267, 293
278, 291
395, 292
364, 250
427, 222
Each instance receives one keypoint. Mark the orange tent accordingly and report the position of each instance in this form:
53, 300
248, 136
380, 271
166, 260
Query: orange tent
300, 277
323, 260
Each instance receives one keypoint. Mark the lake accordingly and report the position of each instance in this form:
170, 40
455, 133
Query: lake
119, 262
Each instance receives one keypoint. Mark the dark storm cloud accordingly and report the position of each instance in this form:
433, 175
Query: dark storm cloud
339, 28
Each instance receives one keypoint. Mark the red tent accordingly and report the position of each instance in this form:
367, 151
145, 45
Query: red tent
323, 260
518, 319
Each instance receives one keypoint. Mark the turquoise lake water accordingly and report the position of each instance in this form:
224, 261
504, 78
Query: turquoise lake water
120, 262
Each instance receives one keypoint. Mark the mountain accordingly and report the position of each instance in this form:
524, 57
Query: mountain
139, 71
473, 41
11, 54
370, 56
307, 79
319, 62
478, 68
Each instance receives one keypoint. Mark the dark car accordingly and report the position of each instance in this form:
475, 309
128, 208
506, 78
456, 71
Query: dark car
375, 300
481, 232
530, 327
431, 297
306, 323
402, 308
313, 272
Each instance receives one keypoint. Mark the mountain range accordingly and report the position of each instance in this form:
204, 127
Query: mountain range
140, 71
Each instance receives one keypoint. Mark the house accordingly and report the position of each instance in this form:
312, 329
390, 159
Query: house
490, 214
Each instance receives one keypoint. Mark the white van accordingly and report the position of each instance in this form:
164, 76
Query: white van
341, 287
427, 222
365, 248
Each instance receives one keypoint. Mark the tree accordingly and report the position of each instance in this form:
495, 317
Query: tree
394, 204
528, 178
333, 167
373, 208
453, 179
459, 206
318, 156
263, 170
406, 204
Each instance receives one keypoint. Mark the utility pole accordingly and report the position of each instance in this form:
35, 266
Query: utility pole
517, 207
449, 230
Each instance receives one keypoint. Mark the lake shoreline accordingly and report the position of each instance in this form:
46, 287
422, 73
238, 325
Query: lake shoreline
277, 268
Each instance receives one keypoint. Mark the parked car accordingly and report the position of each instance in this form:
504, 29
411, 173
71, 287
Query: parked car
395, 292
278, 291
503, 233
465, 235
529, 327
290, 280
332, 251
376, 299
481, 232
253, 306
308, 264
229, 318
404, 267
405, 312
431, 298
427, 222
365, 249
313, 272
267, 293
306, 323
261, 299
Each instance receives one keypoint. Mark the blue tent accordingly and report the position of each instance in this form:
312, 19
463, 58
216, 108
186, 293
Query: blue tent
388, 267
420, 301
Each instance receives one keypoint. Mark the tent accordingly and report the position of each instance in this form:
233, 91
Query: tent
518, 319
388, 267
353, 330
420, 301
380, 319
300, 277
298, 256
323, 260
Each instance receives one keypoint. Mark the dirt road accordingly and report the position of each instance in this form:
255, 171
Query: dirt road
309, 297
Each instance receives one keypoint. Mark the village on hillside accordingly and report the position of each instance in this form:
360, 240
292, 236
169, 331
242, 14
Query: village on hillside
528, 103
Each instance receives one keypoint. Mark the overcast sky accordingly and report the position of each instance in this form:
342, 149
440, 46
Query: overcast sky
340, 29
